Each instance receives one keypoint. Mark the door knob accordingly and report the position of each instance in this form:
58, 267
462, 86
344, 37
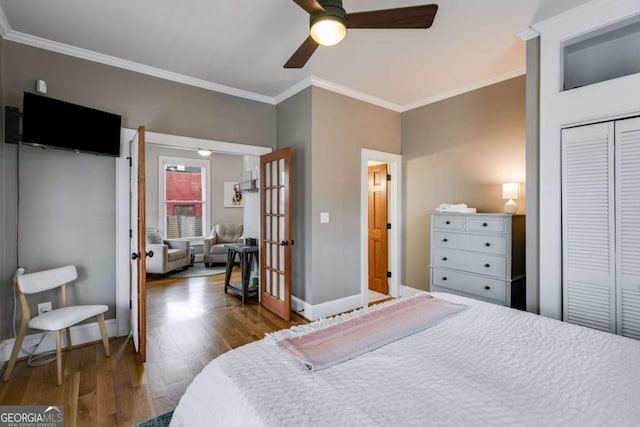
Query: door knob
136, 255
284, 243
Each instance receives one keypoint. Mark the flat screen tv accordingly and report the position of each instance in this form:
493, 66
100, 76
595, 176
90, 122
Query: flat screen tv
58, 124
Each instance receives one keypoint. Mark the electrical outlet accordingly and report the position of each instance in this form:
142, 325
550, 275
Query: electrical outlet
44, 307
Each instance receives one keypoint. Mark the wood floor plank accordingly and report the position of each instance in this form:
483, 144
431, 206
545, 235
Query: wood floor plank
189, 322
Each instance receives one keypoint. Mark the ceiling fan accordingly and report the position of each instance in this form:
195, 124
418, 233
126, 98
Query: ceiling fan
329, 22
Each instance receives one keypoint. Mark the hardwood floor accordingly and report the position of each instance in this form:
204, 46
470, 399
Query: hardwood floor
189, 322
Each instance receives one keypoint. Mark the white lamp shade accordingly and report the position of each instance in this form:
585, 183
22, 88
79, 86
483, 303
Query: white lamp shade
511, 190
328, 31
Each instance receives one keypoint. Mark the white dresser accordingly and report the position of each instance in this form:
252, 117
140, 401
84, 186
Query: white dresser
480, 256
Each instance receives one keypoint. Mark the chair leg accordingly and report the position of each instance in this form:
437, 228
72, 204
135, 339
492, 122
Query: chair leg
59, 356
16, 350
103, 332
69, 344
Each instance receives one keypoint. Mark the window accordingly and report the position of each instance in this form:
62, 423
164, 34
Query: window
183, 194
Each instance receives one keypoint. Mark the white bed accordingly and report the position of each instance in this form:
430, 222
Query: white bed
488, 365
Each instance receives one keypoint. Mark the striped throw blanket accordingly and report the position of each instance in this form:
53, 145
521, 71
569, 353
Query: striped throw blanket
335, 344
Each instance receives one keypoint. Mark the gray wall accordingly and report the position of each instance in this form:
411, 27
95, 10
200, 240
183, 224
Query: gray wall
459, 150
326, 132
222, 167
7, 216
342, 126
294, 130
67, 216
160, 105
532, 153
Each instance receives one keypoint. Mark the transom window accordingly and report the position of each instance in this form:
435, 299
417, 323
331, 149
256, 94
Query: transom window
184, 189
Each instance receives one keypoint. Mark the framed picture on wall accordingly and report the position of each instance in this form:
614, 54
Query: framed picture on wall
232, 195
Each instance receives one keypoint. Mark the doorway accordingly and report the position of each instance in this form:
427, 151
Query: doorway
122, 204
385, 280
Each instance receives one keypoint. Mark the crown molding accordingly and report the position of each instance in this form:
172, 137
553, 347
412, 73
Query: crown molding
5, 28
296, 88
343, 90
464, 89
65, 49
334, 87
528, 34
18, 37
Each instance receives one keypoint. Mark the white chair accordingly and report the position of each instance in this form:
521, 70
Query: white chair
54, 320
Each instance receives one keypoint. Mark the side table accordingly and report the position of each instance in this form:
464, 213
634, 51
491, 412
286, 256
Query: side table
247, 254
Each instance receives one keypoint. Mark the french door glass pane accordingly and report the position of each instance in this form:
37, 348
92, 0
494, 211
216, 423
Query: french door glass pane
274, 228
267, 205
281, 230
274, 280
267, 231
281, 169
281, 288
274, 173
267, 277
267, 175
281, 207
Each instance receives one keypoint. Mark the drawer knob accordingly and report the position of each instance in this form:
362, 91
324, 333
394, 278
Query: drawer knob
484, 224
447, 222
444, 278
444, 259
487, 265
445, 240
487, 244
487, 287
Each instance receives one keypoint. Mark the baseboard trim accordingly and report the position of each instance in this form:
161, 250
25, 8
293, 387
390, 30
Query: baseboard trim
325, 309
80, 334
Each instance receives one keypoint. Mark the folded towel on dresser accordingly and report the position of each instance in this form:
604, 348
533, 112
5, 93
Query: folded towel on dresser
446, 207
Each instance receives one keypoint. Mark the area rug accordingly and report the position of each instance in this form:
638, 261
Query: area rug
159, 421
199, 270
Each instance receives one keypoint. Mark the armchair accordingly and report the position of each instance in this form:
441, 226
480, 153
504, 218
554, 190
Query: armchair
168, 255
213, 246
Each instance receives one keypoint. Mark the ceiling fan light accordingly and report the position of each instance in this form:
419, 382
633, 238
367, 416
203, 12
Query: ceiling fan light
328, 31
204, 153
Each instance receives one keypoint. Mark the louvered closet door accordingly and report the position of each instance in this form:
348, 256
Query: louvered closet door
628, 226
588, 226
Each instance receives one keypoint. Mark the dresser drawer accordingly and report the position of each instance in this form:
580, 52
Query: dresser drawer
488, 244
490, 265
444, 222
495, 290
489, 225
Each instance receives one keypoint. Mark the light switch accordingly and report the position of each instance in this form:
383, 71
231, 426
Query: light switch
324, 217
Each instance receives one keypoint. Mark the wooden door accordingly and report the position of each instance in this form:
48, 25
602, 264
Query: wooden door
378, 246
138, 244
275, 227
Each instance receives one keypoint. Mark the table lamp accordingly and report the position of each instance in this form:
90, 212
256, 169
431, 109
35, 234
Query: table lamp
510, 191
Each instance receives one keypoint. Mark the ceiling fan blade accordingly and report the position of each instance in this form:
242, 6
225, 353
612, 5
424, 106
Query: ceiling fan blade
302, 55
311, 6
402, 17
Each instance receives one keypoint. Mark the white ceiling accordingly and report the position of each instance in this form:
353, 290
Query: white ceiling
239, 46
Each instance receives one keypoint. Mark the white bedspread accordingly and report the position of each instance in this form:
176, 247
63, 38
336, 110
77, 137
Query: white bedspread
487, 366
